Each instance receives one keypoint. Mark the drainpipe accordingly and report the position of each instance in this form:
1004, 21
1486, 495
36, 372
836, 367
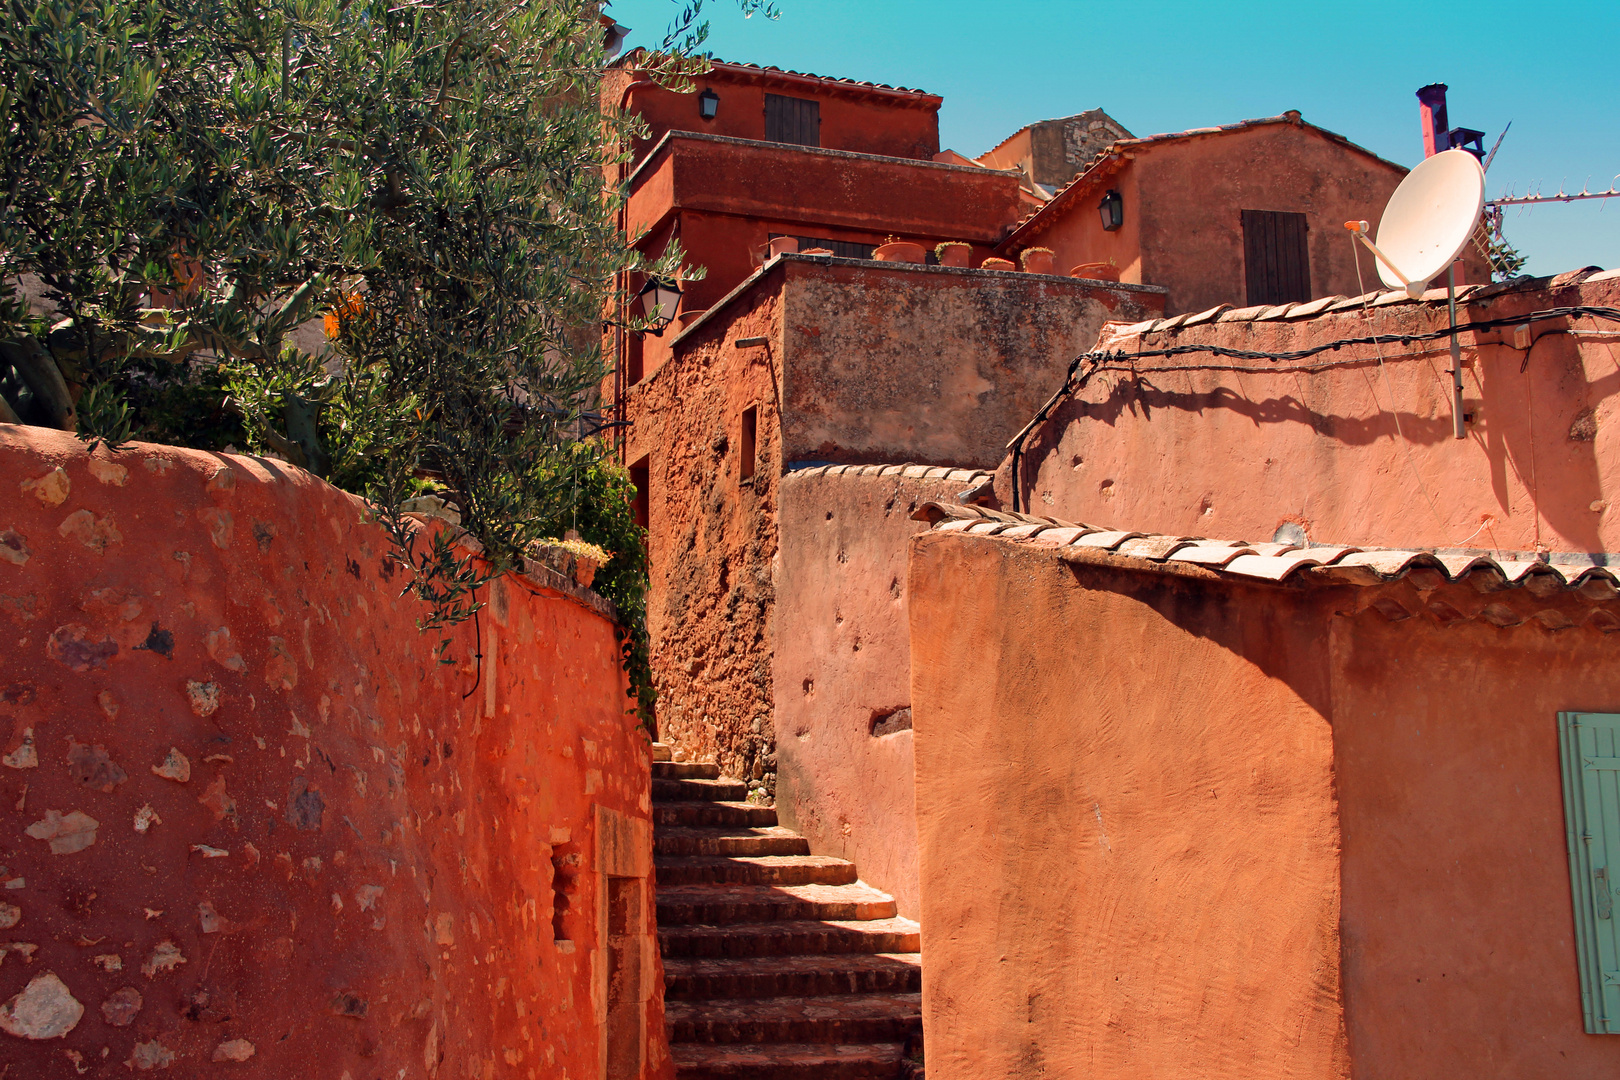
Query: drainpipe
622, 286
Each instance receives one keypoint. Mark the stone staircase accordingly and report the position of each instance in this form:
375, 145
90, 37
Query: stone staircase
778, 964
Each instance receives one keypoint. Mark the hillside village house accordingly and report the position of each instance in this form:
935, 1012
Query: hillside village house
812, 410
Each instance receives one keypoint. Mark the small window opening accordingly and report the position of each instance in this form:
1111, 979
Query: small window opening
750, 436
641, 502
565, 863
1276, 257
792, 120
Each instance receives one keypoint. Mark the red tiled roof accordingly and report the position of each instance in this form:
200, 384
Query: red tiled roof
923, 97
1512, 589
1109, 159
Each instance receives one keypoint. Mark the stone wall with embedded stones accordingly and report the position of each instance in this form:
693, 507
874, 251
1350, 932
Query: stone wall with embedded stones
252, 826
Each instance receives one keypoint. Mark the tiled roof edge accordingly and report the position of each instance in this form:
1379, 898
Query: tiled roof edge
1570, 575
909, 470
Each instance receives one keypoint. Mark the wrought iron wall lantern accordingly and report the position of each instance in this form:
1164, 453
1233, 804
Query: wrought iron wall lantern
708, 103
659, 299
1112, 209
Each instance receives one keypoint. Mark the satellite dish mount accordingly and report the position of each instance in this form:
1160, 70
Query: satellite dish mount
1427, 224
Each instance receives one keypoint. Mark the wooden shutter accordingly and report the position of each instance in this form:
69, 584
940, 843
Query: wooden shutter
1589, 744
1276, 257
792, 120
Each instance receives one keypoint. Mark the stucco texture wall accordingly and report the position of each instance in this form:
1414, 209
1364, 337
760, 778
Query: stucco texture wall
712, 537
1128, 844
1220, 829
1459, 951
931, 365
1359, 453
251, 827
843, 664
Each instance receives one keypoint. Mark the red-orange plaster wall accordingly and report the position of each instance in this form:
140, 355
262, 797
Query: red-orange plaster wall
843, 661
314, 848
1359, 454
1128, 839
1459, 952
1183, 203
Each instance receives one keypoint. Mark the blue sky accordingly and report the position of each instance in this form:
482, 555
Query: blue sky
1552, 69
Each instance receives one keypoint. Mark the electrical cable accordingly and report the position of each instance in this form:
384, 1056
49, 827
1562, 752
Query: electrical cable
1087, 364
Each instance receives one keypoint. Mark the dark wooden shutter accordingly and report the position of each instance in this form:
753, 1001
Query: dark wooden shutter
792, 120
1276, 257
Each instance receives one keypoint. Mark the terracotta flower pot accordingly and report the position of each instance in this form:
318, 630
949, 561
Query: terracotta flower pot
955, 254
1097, 271
784, 245
900, 251
997, 264
1039, 261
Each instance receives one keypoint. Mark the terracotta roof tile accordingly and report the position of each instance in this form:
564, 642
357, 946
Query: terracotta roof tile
1314, 307
1242, 314
1350, 302
1276, 312
1607, 275
1394, 296
1206, 316
833, 79
1529, 589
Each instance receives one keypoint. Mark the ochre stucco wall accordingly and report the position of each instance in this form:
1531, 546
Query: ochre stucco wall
712, 536
1128, 845
843, 660
931, 365
1459, 953
1184, 199
316, 850
1237, 455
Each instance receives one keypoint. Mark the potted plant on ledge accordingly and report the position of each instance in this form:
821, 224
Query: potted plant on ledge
953, 253
895, 249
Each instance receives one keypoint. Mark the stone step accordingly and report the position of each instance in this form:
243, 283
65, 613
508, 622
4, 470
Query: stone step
685, 770
714, 905
793, 938
662, 752
852, 1018
787, 1061
765, 840
729, 815
703, 790
793, 976
761, 870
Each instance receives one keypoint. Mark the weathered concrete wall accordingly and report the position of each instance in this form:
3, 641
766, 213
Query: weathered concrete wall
712, 536
894, 363
1357, 454
1129, 850
842, 671
251, 827
1459, 950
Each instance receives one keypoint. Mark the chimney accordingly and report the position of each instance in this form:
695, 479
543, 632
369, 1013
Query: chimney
1432, 113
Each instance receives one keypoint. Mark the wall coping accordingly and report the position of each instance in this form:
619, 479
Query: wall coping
772, 264
670, 137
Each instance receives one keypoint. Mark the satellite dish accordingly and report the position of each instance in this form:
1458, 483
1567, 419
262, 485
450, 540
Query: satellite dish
1429, 220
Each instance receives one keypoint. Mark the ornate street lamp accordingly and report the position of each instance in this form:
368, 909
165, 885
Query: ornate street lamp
708, 103
659, 299
1112, 209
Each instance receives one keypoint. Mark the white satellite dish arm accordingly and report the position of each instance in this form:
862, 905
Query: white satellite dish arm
1359, 230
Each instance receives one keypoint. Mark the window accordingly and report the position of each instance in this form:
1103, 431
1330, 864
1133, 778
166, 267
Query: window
844, 249
1589, 745
1276, 258
641, 504
750, 437
792, 120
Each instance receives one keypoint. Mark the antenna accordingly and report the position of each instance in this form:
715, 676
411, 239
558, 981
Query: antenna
1426, 224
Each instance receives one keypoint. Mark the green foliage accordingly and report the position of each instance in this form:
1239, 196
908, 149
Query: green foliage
191, 181
599, 506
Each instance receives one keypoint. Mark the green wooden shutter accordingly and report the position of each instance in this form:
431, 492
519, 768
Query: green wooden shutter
1589, 744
